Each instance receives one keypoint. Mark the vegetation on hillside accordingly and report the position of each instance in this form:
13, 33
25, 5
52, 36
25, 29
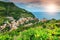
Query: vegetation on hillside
12, 16
10, 9
47, 30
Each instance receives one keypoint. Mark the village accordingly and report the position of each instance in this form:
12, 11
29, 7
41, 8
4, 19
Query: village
13, 24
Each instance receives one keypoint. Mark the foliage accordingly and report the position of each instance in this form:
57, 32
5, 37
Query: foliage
10, 9
34, 32
2, 20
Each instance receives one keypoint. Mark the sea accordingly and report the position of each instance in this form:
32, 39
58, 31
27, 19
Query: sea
41, 15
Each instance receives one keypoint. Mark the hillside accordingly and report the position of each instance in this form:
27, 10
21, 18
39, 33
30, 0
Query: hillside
47, 30
10, 9
12, 16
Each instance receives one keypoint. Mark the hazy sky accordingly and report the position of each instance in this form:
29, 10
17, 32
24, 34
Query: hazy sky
35, 5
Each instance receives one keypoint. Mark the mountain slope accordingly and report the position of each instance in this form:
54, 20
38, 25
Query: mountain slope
10, 9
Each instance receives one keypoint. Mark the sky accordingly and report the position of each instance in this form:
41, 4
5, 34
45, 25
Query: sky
35, 5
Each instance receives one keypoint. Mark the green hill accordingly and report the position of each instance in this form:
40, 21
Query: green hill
10, 9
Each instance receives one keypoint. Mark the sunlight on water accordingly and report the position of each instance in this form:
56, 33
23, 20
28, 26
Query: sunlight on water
51, 13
